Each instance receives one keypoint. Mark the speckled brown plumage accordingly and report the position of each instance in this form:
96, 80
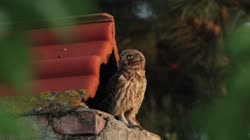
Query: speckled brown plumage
126, 88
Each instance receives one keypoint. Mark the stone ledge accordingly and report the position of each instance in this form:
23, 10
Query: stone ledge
117, 130
44, 103
99, 126
62, 116
83, 122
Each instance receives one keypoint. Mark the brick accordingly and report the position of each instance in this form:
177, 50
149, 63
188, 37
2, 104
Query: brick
93, 123
85, 122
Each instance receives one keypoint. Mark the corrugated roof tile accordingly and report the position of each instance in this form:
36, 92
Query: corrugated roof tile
73, 62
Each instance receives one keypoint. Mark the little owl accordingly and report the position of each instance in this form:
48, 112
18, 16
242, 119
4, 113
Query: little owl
126, 88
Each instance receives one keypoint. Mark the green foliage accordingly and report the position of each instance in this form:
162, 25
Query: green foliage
172, 97
12, 127
15, 67
227, 118
17, 18
203, 9
28, 14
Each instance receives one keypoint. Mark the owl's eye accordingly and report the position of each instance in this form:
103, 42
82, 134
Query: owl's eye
130, 56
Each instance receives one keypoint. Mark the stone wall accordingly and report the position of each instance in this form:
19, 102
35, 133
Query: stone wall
65, 120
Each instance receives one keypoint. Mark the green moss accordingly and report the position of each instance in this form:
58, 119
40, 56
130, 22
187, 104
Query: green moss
43, 103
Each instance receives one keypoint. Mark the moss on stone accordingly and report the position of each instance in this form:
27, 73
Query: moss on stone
46, 102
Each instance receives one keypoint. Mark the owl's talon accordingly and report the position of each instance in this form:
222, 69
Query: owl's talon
136, 126
123, 119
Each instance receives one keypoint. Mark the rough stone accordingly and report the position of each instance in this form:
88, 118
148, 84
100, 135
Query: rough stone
117, 130
94, 123
36, 128
76, 126
62, 116
43, 121
44, 103
86, 122
81, 138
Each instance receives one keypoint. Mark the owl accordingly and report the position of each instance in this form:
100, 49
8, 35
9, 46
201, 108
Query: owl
126, 88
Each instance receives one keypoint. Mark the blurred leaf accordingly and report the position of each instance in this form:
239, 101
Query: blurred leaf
11, 126
228, 117
15, 65
239, 43
17, 17
20, 13
4, 23
80, 7
51, 11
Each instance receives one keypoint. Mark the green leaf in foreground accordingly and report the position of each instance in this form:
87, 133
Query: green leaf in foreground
13, 127
227, 118
15, 63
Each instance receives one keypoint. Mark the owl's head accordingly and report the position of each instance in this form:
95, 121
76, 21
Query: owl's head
132, 59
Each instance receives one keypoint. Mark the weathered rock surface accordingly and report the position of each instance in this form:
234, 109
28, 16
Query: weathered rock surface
99, 126
62, 117
44, 103
117, 130
79, 122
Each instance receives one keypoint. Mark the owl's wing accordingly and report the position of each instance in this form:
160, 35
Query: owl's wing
113, 83
111, 90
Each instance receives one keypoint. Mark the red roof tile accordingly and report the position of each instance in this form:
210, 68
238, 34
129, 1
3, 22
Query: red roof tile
74, 62
82, 65
78, 33
86, 82
101, 48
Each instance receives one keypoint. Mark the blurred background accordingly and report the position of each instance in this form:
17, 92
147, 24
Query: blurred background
197, 55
